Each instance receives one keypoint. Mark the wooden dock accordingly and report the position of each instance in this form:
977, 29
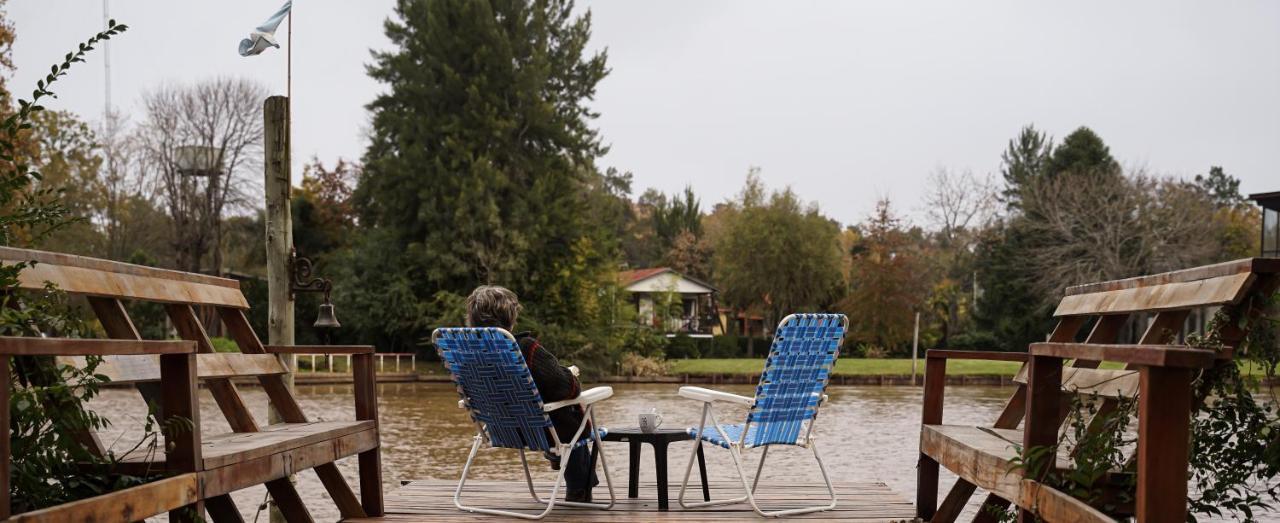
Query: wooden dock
432, 500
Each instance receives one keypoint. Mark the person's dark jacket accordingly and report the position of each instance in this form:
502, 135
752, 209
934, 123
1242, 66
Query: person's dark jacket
555, 383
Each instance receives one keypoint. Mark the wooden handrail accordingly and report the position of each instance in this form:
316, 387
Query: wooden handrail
319, 349
976, 355
122, 506
1145, 355
32, 346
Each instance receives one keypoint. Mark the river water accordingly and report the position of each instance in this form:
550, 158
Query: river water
865, 434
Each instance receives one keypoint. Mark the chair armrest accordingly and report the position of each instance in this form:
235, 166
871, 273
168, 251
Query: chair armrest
1145, 355
977, 355
32, 346
709, 396
319, 349
587, 397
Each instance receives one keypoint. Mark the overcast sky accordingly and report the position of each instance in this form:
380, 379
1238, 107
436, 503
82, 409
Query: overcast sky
846, 102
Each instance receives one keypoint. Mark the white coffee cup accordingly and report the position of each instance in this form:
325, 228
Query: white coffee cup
650, 421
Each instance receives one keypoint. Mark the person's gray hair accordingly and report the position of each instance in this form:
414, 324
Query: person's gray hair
492, 306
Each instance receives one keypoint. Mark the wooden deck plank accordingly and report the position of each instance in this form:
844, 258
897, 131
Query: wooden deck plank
432, 500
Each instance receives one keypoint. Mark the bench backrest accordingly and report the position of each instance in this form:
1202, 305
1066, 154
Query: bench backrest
795, 375
1164, 301
85, 276
104, 279
107, 285
494, 381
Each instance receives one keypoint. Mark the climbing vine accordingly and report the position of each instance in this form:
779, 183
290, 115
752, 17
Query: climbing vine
1235, 434
51, 462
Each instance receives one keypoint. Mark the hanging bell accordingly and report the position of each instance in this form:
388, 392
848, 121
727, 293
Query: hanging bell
326, 319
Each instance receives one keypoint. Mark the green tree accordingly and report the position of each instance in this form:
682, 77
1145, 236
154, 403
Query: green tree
1083, 152
1223, 188
480, 167
776, 254
1023, 160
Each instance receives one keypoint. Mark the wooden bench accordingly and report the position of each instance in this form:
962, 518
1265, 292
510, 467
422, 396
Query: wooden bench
168, 374
983, 456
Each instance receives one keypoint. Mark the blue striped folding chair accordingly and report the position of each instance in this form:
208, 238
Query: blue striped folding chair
784, 409
497, 389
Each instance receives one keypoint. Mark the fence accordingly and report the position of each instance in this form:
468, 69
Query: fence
317, 363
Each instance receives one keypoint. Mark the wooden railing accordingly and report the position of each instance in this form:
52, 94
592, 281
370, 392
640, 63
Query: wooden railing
179, 494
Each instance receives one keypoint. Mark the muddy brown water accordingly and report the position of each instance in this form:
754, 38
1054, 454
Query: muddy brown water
865, 433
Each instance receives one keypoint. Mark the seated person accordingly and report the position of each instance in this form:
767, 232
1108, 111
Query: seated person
493, 306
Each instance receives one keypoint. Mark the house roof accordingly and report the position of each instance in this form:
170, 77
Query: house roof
634, 276
1270, 200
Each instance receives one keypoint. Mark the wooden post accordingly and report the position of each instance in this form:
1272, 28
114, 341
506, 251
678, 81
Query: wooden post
276, 185
370, 461
179, 400
1164, 426
1044, 400
279, 230
915, 350
935, 380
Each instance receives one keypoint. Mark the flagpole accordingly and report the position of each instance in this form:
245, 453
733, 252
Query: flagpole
288, 81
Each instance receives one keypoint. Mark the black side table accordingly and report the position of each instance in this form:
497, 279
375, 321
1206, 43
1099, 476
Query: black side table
659, 440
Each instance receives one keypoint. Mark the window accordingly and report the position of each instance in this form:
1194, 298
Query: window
1271, 232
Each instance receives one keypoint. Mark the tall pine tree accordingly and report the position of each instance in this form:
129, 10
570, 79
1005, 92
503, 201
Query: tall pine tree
480, 160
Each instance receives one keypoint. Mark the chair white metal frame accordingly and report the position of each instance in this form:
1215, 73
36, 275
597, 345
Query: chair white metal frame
498, 390
784, 409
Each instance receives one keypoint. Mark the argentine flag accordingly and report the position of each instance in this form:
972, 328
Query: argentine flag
265, 35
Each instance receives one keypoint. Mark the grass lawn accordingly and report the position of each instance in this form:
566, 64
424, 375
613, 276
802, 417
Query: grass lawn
845, 366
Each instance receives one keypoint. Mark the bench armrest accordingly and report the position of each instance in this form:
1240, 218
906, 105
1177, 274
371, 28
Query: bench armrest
1145, 355
319, 349
976, 355
32, 346
710, 396
587, 397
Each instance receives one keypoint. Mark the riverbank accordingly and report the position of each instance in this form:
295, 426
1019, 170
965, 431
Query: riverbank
850, 371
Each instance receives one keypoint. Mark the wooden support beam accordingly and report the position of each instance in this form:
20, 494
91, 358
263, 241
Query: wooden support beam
222, 509
1139, 355
32, 346
224, 391
288, 502
122, 506
976, 355
282, 399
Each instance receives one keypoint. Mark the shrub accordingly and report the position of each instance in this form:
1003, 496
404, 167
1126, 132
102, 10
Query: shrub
633, 364
682, 346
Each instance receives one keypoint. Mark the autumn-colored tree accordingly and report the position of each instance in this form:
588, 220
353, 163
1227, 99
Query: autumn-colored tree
888, 282
67, 156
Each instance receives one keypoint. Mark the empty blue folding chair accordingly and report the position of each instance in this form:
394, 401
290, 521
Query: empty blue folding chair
785, 406
498, 390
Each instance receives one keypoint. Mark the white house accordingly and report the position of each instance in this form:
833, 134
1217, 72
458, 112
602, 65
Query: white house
673, 302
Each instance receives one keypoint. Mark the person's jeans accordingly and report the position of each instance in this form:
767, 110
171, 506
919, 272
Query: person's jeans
581, 472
